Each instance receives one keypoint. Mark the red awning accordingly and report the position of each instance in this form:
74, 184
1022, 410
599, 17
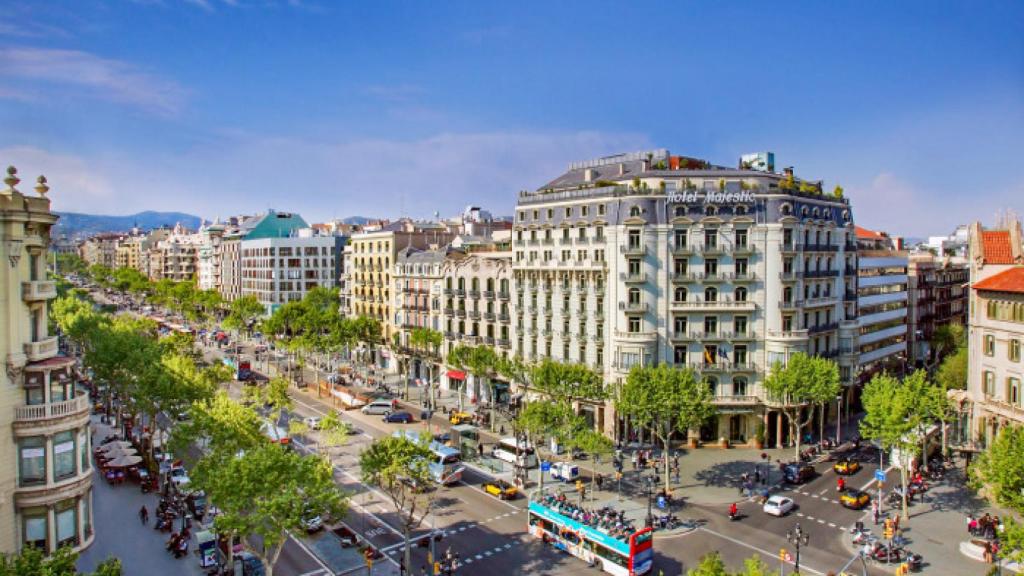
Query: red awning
456, 374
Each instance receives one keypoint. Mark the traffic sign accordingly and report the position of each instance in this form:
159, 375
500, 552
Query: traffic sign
545, 466
880, 475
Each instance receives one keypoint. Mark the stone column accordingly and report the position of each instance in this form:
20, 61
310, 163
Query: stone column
51, 528
778, 429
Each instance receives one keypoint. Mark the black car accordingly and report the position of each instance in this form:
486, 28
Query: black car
798, 473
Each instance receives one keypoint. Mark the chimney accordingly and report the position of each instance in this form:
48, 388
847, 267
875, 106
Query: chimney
622, 169
788, 171
645, 165
588, 174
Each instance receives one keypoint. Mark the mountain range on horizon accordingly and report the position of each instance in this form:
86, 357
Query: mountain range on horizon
73, 224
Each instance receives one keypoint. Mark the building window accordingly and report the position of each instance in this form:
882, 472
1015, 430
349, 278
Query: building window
63, 455
680, 294
634, 325
679, 355
739, 386
634, 267
710, 238
67, 523
990, 345
739, 354
679, 325
710, 294
989, 383
584, 210
35, 528
741, 294
1014, 350
740, 324
634, 295
634, 211
1013, 391
680, 238
711, 324
32, 461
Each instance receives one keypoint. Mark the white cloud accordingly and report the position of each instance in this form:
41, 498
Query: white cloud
896, 205
242, 173
101, 77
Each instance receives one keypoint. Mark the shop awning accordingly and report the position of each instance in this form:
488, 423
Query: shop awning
456, 374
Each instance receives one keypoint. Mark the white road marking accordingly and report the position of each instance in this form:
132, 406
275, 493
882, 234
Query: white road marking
756, 549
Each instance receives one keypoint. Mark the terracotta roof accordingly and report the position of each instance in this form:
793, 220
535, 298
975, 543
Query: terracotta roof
1011, 280
995, 246
868, 234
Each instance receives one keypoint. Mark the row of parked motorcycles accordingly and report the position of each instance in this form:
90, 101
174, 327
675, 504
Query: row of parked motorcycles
893, 552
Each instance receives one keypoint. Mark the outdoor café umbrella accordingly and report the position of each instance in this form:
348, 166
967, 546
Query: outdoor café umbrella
115, 454
124, 461
116, 444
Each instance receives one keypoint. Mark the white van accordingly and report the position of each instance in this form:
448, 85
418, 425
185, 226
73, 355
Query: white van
377, 407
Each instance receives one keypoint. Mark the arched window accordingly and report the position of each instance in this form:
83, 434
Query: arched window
787, 294
634, 211
709, 210
710, 294
741, 294
739, 386
680, 294
787, 209
741, 209
634, 295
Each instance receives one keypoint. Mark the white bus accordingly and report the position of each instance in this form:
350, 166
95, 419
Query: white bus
445, 466
505, 450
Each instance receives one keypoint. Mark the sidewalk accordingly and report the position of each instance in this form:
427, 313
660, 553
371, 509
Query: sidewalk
119, 532
938, 525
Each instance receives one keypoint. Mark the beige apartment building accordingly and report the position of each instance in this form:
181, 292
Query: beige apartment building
100, 249
994, 397
46, 470
369, 283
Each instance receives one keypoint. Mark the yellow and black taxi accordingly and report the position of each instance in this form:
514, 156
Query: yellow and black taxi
854, 499
460, 418
846, 466
501, 489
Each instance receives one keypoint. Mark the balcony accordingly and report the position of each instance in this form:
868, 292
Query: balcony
735, 400
633, 307
744, 277
503, 318
489, 294
488, 340
548, 242
41, 349
474, 293
633, 249
820, 301
460, 293
747, 248
681, 277
638, 278
725, 304
821, 248
461, 313
789, 276
790, 304
743, 336
474, 314
79, 405
582, 241
823, 328
38, 290
821, 273
647, 336
503, 296
682, 249
712, 248
788, 334
503, 343
470, 339
489, 316
790, 247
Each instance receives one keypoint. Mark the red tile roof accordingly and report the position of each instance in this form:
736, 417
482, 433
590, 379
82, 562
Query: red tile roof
1011, 280
868, 234
995, 246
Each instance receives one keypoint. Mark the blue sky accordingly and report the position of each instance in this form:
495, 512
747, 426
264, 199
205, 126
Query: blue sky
327, 108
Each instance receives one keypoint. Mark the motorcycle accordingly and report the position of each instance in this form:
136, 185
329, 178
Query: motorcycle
914, 561
886, 554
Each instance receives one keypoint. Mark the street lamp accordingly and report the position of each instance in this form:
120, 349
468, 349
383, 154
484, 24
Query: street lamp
839, 417
649, 481
797, 537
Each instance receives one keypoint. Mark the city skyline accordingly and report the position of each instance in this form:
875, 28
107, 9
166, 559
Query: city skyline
215, 108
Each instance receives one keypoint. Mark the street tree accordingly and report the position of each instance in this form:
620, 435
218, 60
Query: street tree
665, 400
593, 443
804, 381
222, 426
399, 467
893, 415
712, 565
266, 491
31, 561
481, 362
424, 344
243, 313
952, 372
999, 474
947, 339
334, 431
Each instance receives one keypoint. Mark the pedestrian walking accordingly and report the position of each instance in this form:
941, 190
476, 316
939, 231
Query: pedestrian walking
635, 459
757, 475
600, 481
144, 514
480, 449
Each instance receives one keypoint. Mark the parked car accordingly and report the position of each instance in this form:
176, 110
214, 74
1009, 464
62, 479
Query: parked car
179, 476
377, 407
779, 505
401, 417
502, 489
312, 521
854, 499
798, 473
846, 466
251, 565
313, 422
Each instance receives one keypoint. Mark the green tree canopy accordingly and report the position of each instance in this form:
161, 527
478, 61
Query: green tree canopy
803, 381
31, 561
665, 399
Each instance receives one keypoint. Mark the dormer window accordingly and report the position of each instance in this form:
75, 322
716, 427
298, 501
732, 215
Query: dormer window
634, 212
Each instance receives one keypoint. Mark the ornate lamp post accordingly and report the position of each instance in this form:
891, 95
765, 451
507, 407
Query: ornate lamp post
798, 538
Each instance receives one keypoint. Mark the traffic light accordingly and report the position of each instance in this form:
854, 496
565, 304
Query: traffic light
618, 476
782, 554
888, 532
